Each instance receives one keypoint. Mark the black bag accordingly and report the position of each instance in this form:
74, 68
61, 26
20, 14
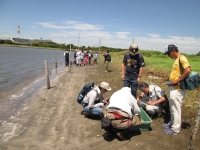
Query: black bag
165, 105
105, 123
86, 88
191, 81
108, 57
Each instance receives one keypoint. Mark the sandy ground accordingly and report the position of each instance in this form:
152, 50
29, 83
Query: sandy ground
52, 120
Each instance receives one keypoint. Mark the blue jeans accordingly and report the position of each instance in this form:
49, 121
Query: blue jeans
133, 84
93, 111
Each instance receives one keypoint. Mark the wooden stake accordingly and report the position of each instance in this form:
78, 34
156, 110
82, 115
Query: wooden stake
55, 64
47, 74
193, 137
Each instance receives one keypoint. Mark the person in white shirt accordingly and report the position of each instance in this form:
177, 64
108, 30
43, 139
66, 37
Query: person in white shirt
92, 106
78, 58
152, 99
123, 111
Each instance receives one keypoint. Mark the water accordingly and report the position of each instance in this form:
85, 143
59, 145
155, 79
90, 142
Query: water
22, 74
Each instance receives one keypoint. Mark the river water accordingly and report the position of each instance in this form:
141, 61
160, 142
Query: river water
22, 74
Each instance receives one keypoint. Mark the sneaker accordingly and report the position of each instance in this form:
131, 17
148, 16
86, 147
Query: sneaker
170, 131
166, 125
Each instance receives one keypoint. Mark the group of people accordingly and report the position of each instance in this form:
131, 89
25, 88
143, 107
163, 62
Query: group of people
122, 108
81, 58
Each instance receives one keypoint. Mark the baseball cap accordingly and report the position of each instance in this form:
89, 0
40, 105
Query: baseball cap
134, 48
105, 86
169, 48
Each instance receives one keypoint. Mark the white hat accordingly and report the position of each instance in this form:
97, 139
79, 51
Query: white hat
105, 86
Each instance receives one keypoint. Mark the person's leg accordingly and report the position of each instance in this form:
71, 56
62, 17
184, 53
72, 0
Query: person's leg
106, 65
153, 109
134, 86
126, 83
176, 99
94, 111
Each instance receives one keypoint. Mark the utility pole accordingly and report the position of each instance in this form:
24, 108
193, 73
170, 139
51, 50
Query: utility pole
133, 40
99, 44
78, 40
19, 31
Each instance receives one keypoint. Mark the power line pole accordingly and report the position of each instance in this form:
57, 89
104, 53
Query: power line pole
99, 44
78, 40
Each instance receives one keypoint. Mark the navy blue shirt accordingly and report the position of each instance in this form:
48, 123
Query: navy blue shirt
133, 65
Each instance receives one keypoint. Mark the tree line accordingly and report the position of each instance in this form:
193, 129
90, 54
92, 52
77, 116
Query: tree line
147, 53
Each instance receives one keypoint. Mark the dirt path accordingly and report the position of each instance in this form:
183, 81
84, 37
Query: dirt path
52, 120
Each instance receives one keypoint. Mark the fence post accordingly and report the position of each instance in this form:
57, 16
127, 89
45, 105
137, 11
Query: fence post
47, 74
56, 66
193, 137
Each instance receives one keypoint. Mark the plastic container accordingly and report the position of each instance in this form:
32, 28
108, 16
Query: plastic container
145, 121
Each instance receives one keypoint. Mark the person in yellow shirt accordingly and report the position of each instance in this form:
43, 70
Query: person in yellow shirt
176, 95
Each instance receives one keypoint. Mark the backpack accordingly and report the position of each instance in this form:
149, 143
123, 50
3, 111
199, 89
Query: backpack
66, 54
105, 123
191, 81
108, 57
86, 88
91, 54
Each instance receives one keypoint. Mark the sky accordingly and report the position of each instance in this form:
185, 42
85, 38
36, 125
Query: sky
151, 24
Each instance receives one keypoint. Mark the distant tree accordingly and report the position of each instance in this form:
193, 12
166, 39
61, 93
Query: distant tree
1, 41
8, 42
198, 54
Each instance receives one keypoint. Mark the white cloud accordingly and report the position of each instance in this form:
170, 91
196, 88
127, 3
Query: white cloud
122, 35
70, 25
153, 35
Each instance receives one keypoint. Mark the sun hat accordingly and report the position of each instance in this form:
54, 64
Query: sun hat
134, 49
105, 86
169, 48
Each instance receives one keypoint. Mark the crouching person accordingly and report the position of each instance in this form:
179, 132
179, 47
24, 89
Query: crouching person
92, 104
123, 112
153, 99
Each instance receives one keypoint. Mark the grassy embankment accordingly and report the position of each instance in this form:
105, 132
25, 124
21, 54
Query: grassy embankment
158, 67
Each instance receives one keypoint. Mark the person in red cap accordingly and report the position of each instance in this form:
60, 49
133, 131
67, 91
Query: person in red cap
132, 67
176, 95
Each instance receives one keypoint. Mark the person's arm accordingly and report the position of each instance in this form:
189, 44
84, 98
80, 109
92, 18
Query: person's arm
140, 75
123, 71
162, 99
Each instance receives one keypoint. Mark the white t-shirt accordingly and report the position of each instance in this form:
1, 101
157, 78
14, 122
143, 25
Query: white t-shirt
124, 100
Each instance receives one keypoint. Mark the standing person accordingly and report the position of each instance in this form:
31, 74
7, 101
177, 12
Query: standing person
85, 61
132, 67
78, 58
107, 59
66, 55
153, 99
82, 56
123, 112
176, 95
95, 58
91, 106
75, 56
90, 55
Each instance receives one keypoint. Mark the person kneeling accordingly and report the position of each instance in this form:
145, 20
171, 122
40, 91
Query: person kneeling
91, 106
123, 112
153, 99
